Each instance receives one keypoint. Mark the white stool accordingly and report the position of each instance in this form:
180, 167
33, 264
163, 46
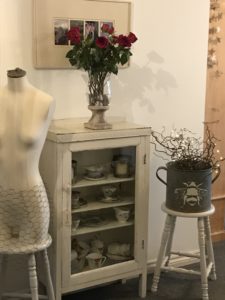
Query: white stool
24, 221
205, 247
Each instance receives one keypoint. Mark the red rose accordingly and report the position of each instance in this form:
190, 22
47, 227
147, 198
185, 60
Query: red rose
111, 30
74, 35
115, 39
102, 42
124, 41
132, 37
107, 28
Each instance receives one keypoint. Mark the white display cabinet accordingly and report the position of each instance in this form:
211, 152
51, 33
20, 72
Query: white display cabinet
98, 187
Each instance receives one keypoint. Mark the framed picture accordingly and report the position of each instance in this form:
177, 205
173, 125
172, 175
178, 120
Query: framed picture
53, 19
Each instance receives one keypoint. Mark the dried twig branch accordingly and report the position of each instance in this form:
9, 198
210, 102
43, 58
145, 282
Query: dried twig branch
187, 150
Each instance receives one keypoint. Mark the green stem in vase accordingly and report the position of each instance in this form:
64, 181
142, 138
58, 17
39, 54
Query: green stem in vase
96, 88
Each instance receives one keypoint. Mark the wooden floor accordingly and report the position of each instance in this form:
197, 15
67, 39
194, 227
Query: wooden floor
172, 286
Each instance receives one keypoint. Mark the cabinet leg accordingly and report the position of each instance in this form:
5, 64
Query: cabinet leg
143, 284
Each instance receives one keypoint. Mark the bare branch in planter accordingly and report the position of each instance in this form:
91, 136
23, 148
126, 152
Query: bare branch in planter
187, 150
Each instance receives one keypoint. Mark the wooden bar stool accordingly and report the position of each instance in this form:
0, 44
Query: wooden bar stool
206, 256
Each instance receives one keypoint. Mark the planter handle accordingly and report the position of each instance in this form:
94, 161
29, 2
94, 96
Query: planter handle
217, 174
157, 174
217, 171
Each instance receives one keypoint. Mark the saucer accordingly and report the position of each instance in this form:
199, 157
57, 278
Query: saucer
95, 178
94, 222
110, 199
81, 202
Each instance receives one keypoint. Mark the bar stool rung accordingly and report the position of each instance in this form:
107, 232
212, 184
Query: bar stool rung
180, 270
182, 253
22, 295
209, 268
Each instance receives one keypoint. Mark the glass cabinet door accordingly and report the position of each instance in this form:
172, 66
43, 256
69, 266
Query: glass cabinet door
102, 202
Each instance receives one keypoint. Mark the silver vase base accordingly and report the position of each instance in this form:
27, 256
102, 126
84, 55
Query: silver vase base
97, 120
98, 126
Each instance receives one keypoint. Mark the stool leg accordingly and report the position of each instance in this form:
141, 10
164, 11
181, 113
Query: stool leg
3, 269
49, 285
170, 240
201, 237
3, 262
210, 248
162, 250
33, 276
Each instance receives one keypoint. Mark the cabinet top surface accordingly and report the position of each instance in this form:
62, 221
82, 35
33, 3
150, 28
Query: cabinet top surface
67, 130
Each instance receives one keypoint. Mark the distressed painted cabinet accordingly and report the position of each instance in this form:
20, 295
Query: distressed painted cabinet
120, 156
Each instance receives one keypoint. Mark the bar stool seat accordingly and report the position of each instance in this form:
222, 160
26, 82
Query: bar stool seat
206, 256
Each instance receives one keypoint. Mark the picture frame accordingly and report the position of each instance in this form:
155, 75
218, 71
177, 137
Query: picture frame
53, 18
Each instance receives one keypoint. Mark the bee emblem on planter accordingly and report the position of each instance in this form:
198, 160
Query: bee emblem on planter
192, 194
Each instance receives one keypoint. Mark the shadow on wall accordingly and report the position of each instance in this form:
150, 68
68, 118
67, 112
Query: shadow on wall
137, 83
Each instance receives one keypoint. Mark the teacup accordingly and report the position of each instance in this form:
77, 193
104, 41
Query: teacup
122, 214
109, 191
74, 254
77, 264
119, 249
95, 260
82, 248
75, 224
97, 246
94, 171
75, 199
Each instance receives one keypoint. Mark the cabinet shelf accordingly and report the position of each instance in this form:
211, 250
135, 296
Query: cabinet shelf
106, 180
112, 224
97, 205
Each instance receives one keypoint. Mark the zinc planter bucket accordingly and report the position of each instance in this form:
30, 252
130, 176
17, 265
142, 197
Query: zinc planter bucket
187, 190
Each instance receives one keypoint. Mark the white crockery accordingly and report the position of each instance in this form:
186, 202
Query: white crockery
109, 191
95, 260
122, 214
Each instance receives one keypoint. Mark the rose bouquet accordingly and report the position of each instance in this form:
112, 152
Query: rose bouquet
99, 56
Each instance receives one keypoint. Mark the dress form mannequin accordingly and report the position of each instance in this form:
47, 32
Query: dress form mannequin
25, 115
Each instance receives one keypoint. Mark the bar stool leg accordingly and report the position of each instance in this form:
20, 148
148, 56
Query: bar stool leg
161, 255
170, 240
201, 237
210, 248
49, 285
33, 276
3, 263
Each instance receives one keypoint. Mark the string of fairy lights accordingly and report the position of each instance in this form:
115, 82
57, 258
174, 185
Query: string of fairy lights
216, 15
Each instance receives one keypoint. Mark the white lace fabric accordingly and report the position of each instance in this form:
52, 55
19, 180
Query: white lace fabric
24, 220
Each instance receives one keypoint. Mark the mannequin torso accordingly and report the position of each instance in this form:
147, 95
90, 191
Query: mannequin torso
25, 114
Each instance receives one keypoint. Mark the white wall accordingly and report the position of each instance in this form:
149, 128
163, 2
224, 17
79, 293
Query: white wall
165, 84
